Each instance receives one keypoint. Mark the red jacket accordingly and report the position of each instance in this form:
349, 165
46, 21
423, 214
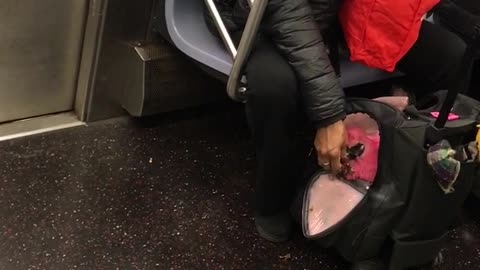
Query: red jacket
380, 32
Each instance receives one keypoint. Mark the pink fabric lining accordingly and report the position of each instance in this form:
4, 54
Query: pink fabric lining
365, 167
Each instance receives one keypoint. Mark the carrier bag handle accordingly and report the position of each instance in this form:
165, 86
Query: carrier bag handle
437, 131
459, 85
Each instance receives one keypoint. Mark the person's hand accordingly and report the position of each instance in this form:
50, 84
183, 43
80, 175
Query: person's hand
331, 145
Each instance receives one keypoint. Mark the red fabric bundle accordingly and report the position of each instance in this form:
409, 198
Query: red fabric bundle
380, 32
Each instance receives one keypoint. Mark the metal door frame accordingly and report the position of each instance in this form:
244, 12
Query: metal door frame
92, 40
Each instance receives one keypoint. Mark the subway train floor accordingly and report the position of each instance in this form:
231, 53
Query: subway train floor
174, 192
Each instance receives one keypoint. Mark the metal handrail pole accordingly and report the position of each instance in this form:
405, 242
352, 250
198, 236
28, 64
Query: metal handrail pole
245, 47
240, 55
222, 29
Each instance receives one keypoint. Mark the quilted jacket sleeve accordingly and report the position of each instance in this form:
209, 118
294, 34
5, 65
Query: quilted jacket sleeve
291, 25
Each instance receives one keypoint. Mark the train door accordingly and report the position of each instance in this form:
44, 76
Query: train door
40, 51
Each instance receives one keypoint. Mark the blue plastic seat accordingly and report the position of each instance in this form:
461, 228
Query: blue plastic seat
189, 33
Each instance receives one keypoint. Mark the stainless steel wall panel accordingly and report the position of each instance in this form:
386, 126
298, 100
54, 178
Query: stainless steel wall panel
40, 50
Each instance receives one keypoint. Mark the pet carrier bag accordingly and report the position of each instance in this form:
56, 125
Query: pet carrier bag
425, 170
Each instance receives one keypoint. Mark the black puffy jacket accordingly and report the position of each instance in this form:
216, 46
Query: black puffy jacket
296, 27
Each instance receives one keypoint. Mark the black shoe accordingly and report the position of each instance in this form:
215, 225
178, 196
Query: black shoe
276, 228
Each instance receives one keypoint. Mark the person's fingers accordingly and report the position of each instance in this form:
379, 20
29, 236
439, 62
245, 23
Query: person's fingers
344, 149
344, 155
335, 161
323, 159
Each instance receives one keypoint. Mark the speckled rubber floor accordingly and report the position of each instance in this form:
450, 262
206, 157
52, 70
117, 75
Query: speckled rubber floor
173, 192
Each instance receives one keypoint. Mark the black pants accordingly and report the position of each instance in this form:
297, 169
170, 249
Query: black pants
273, 107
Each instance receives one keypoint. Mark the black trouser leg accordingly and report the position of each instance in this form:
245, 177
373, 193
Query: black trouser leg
272, 110
433, 62
461, 19
472, 6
